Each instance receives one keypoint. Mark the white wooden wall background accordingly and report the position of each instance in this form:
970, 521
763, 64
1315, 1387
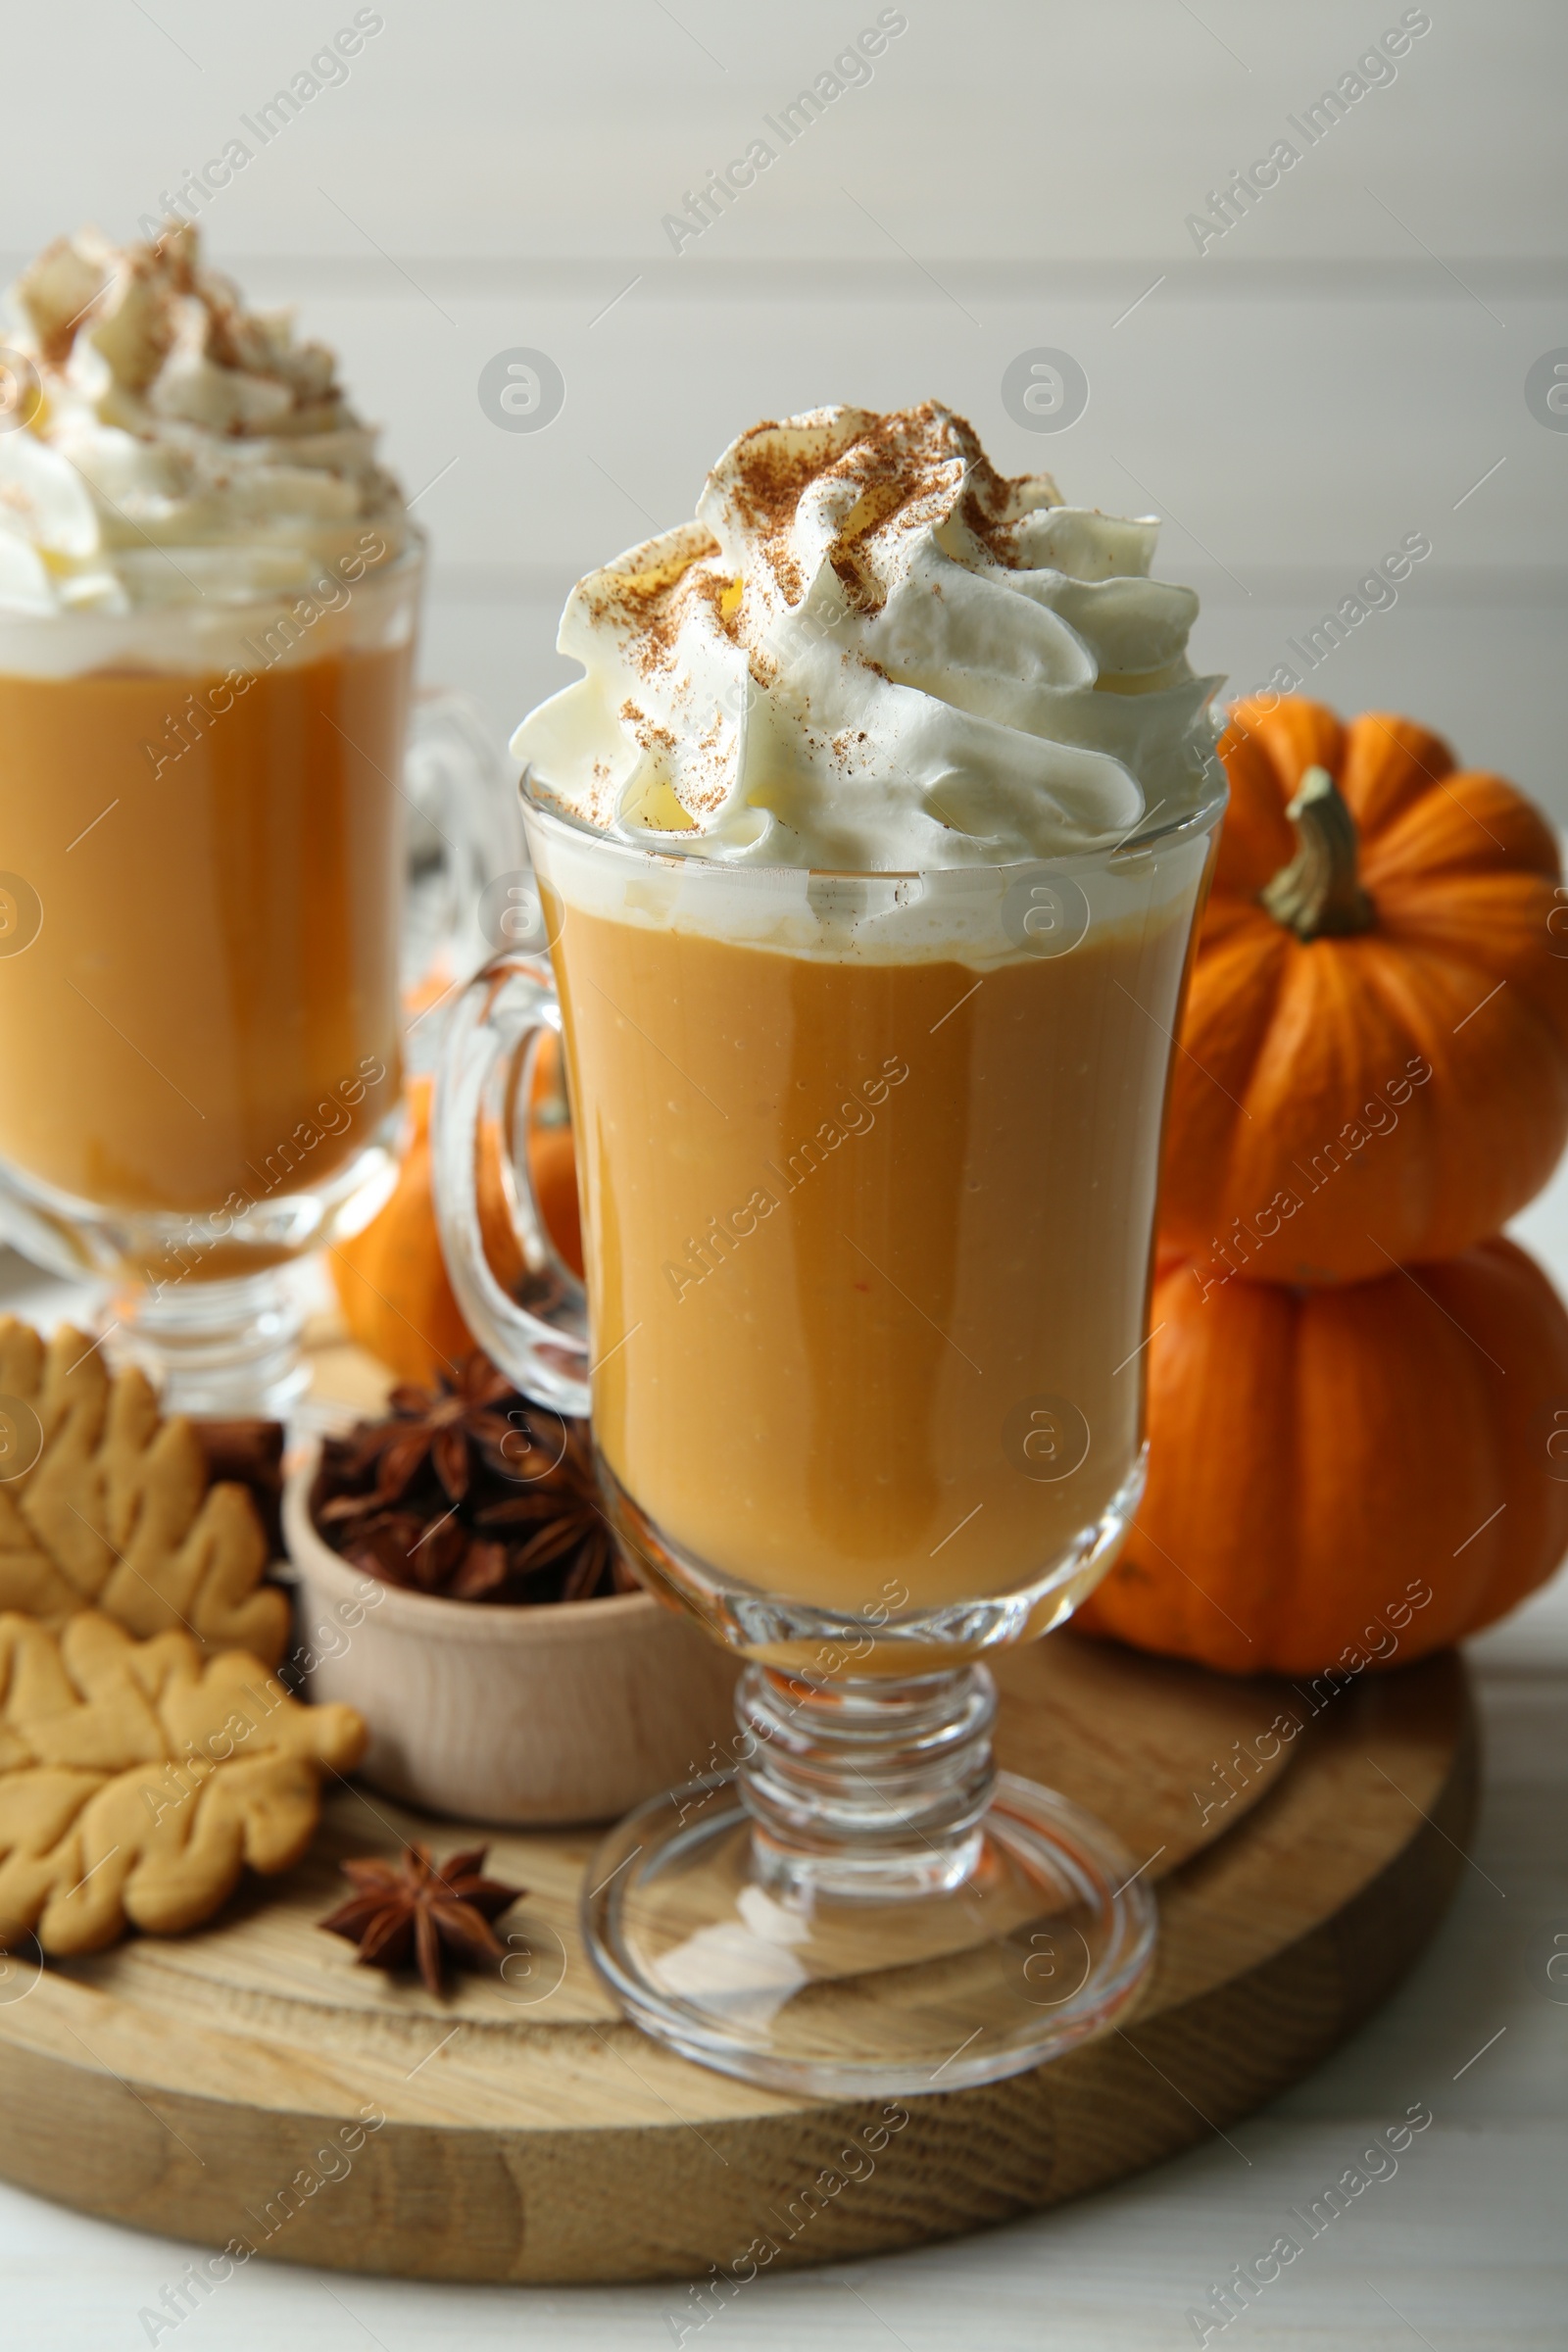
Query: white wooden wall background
1343, 366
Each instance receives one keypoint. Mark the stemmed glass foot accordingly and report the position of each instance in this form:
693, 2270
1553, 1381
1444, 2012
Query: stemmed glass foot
221, 1347
865, 1905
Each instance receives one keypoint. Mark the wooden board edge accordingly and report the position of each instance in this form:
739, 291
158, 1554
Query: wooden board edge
956, 2164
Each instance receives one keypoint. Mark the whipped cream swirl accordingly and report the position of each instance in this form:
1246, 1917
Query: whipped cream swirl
168, 444
871, 652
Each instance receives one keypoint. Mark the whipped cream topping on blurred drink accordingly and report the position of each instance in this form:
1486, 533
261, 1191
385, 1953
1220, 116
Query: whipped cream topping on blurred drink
173, 447
871, 651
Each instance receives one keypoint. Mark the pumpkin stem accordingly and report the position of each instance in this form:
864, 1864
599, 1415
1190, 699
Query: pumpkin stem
1319, 894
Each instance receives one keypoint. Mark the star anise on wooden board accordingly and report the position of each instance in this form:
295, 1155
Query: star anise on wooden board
470, 1491
428, 1912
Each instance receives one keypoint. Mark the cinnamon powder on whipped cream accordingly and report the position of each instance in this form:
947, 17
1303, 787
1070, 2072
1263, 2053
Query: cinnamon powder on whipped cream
873, 651
181, 445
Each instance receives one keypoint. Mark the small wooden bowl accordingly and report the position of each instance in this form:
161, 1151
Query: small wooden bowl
538, 1717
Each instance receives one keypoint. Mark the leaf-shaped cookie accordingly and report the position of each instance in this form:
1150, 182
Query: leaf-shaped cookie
116, 1512
138, 1777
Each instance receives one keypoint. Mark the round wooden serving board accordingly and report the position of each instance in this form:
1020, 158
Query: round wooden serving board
250, 2085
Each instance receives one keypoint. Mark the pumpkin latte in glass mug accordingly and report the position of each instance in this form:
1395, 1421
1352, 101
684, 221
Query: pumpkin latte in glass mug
208, 601
869, 849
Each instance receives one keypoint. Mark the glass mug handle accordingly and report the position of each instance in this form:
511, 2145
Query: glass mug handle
540, 1340
461, 831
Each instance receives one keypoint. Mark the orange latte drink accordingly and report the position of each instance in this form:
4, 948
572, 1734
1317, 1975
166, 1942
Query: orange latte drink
868, 1244
207, 597
209, 1012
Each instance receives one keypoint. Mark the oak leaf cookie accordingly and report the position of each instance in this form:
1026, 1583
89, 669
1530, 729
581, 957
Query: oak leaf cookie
112, 1509
137, 1778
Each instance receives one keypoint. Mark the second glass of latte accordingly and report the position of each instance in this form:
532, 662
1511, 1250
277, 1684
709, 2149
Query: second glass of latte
209, 591
869, 849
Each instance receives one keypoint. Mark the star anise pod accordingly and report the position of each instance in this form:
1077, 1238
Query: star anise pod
406, 1549
417, 1908
442, 1426
563, 1508
528, 1526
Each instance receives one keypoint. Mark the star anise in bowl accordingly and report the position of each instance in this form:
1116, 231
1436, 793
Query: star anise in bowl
470, 1491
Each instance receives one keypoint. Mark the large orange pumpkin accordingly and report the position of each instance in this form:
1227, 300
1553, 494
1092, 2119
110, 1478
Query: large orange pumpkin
391, 1279
1375, 1049
1366, 1472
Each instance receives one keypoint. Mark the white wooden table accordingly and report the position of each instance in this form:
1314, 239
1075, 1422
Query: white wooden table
1465, 2246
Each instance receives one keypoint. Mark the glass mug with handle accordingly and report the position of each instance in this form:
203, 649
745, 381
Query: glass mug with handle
217, 873
867, 1224
209, 598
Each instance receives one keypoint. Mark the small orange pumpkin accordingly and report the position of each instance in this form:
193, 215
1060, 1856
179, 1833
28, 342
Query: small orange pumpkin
391, 1278
1375, 1048
1319, 1459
